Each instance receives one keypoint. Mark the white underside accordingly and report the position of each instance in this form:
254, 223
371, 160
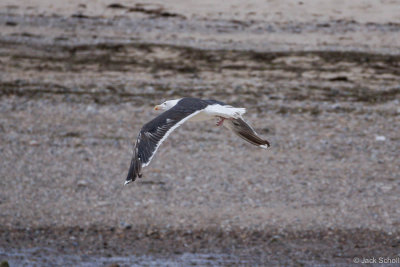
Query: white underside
167, 133
212, 111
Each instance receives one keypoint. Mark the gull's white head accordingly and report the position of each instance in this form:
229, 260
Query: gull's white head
167, 104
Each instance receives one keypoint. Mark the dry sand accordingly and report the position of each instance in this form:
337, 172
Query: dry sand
320, 80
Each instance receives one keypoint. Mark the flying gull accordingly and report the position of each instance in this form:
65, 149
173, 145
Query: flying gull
176, 113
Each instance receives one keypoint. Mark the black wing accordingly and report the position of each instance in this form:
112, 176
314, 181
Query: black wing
244, 131
156, 131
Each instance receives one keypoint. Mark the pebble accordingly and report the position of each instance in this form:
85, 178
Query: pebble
82, 183
380, 138
33, 143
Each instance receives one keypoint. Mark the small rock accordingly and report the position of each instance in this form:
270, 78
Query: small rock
90, 109
275, 238
33, 143
380, 138
82, 183
126, 225
116, 5
386, 188
150, 89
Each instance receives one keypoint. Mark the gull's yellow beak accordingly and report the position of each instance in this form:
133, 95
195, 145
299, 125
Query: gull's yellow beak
158, 107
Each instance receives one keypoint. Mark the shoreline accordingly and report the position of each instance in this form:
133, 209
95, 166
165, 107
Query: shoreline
331, 245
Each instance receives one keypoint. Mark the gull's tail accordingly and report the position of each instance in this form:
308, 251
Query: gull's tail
244, 131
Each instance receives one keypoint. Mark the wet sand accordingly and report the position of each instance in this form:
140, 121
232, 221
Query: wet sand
320, 82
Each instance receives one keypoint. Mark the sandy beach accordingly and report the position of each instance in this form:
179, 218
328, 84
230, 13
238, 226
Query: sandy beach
320, 80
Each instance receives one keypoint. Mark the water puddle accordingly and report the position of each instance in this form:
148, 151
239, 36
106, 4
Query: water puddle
51, 257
